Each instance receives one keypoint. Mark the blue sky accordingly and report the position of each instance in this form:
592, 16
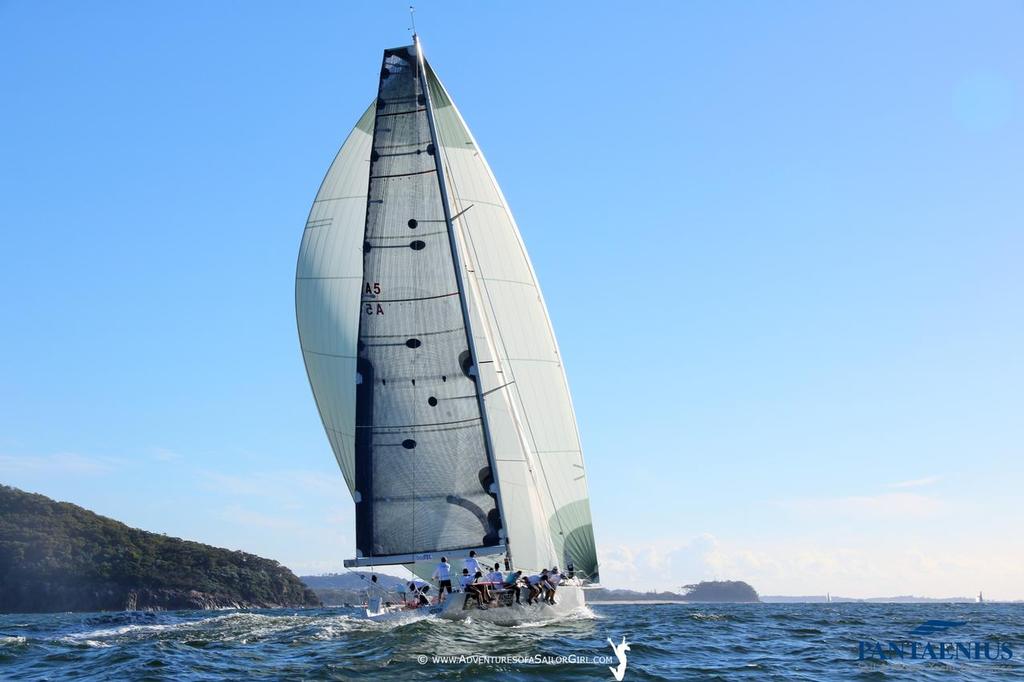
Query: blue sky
781, 245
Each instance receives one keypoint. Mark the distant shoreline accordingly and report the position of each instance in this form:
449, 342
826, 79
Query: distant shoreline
776, 600
902, 599
648, 601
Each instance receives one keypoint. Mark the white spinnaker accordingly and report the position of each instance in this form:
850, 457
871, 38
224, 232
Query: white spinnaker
527, 533
543, 484
520, 332
327, 290
328, 295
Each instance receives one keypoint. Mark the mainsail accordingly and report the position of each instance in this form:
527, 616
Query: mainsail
395, 304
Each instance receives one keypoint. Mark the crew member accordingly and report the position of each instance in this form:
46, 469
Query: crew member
471, 564
443, 576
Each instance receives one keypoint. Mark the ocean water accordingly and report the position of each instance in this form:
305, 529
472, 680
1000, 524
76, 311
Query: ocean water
666, 642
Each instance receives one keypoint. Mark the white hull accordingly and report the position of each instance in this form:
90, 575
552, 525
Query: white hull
393, 614
378, 610
568, 599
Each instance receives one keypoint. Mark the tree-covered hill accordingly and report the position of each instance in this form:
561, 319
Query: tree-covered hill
708, 591
339, 589
352, 580
56, 556
721, 591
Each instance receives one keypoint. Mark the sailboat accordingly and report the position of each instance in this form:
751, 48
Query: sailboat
432, 359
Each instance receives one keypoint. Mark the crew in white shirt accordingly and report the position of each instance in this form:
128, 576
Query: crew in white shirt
533, 582
471, 564
443, 576
554, 579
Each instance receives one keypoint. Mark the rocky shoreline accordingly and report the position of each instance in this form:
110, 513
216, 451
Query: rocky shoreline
58, 557
63, 598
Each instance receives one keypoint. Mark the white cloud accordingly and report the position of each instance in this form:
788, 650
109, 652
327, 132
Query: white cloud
663, 564
798, 568
57, 463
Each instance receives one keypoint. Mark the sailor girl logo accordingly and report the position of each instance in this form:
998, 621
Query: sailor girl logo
620, 652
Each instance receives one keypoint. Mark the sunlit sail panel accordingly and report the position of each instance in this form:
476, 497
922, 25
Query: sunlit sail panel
523, 340
327, 285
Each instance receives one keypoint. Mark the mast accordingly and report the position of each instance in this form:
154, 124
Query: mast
463, 292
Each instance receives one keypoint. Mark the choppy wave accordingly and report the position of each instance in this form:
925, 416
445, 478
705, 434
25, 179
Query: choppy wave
743, 641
